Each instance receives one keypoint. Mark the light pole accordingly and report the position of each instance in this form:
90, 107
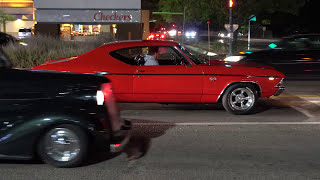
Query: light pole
249, 34
251, 18
231, 26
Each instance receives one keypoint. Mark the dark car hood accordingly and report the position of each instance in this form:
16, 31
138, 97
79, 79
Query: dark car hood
36, 83
62, 77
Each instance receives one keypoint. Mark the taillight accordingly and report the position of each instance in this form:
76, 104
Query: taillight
104, 93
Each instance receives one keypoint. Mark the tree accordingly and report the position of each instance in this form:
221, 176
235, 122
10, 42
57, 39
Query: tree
200, 11
4, 18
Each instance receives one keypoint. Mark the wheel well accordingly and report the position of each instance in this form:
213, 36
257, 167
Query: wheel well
256, 86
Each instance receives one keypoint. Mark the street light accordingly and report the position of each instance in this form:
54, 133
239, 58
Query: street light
231, 3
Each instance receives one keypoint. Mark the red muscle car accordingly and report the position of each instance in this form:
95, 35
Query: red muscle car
165, 72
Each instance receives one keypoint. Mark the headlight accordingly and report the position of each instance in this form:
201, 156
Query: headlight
234, 58
221, 35
100, 97
172, 32
191, 34
23, 43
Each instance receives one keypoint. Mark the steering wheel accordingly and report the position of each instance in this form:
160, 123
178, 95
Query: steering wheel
139, 60
177, 60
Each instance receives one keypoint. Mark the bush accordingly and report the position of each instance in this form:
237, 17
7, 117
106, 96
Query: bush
40, 49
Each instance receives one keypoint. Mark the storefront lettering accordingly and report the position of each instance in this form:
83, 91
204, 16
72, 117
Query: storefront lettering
114, 17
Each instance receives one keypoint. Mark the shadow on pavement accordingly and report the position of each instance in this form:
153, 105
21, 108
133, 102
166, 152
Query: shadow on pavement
143, 131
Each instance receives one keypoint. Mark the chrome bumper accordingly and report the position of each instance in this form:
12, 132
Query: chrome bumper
279, 91
121, 138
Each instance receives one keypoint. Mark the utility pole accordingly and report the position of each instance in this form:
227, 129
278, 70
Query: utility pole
231, 26
208, 22
184, 20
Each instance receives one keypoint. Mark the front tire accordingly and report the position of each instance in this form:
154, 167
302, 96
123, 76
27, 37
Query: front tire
240, 99
64, 146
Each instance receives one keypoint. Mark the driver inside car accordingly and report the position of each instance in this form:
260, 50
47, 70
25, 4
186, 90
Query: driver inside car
151, 57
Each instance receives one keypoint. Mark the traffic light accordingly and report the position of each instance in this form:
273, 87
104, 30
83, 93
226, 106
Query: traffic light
231, 3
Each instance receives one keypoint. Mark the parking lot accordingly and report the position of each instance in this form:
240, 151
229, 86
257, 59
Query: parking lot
191, 141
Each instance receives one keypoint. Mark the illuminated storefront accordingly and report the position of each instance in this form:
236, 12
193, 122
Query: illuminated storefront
22, 10
83, 18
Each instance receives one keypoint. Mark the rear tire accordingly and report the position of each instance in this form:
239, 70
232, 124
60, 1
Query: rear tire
240, 99
64, 146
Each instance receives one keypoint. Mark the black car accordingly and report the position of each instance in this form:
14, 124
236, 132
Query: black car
6, 39
296, 56
57, 116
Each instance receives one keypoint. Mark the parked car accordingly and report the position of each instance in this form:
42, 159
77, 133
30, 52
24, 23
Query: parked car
57, 116
224, 34
24, 33
179, 78
157, 36
296, 56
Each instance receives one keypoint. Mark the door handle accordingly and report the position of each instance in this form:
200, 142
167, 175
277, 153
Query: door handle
140, 71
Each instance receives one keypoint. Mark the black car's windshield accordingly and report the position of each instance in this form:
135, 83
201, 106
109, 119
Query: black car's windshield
4, 61
303, 42
189, 55
2, 64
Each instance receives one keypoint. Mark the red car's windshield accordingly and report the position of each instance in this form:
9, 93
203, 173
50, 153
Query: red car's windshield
189, 55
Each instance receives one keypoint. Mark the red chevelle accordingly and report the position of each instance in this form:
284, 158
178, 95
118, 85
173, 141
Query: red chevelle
165, 72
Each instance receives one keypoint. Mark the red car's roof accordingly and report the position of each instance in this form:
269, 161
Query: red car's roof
141, 43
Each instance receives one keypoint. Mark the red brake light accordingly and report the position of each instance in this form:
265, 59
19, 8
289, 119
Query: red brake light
162, 36
106, 89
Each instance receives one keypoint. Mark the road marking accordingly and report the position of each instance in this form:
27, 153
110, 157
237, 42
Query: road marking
225, 123
298, 95
301, 107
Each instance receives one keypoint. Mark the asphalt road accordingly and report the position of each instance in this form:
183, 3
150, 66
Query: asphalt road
279, 141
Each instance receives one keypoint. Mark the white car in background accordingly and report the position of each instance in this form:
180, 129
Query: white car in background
24, 33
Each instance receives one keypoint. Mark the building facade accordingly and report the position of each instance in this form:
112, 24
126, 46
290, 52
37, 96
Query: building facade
79, 19
85, 19
22, 10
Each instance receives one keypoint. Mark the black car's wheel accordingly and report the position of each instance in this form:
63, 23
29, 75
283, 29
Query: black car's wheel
240, 98
63, 146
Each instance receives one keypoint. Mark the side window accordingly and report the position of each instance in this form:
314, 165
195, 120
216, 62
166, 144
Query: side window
128, 55
169, 56
149, 56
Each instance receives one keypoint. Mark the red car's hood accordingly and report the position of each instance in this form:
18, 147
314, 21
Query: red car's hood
244, 64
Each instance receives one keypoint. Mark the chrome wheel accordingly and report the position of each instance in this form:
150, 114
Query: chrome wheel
62, 144
241, 99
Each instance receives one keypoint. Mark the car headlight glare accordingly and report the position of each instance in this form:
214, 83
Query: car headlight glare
234, 58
